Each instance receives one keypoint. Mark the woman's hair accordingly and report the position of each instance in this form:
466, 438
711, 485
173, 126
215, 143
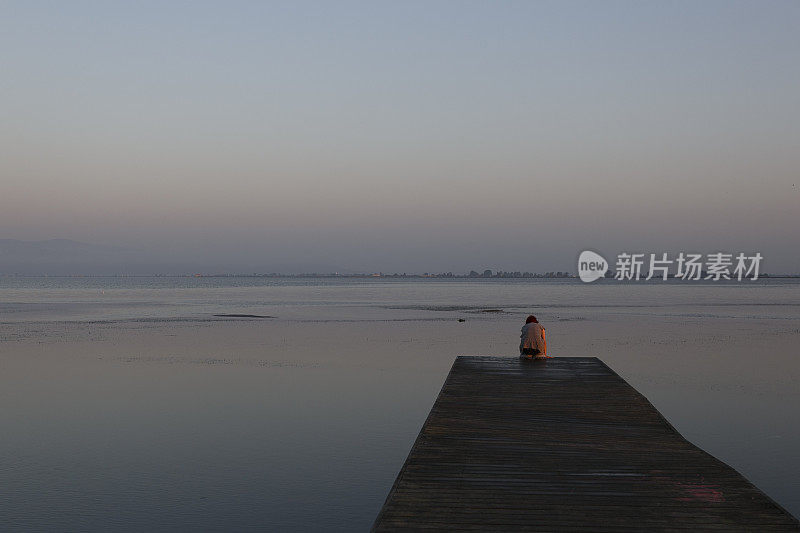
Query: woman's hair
530, 319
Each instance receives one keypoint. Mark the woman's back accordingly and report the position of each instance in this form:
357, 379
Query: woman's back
532, 339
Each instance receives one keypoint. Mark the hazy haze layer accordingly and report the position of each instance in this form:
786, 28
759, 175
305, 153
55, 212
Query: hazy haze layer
407, 136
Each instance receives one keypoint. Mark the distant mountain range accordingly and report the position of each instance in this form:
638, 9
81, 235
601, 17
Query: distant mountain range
51, 248
58, 257
61, 256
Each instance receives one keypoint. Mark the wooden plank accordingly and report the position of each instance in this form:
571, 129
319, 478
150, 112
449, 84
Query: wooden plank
563, 444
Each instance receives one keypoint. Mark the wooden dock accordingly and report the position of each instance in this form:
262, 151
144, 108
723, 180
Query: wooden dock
562, 445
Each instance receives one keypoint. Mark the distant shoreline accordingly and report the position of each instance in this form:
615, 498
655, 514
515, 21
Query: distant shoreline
502, 275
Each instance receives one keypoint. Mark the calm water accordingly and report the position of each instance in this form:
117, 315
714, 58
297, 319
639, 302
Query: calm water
126, 405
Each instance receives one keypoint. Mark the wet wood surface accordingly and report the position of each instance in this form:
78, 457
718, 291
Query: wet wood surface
563, 444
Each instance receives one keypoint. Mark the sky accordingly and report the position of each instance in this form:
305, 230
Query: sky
402, 136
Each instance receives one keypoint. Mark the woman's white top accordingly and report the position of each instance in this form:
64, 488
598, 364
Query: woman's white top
532, 337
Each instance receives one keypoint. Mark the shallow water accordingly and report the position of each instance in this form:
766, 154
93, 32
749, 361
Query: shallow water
126, 405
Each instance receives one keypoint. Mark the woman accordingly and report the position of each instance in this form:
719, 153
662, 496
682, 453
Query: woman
532, 343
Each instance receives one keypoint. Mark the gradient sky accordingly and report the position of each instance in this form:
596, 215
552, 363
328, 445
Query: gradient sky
402, 136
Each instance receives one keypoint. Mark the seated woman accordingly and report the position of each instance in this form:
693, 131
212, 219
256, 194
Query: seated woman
532, 343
